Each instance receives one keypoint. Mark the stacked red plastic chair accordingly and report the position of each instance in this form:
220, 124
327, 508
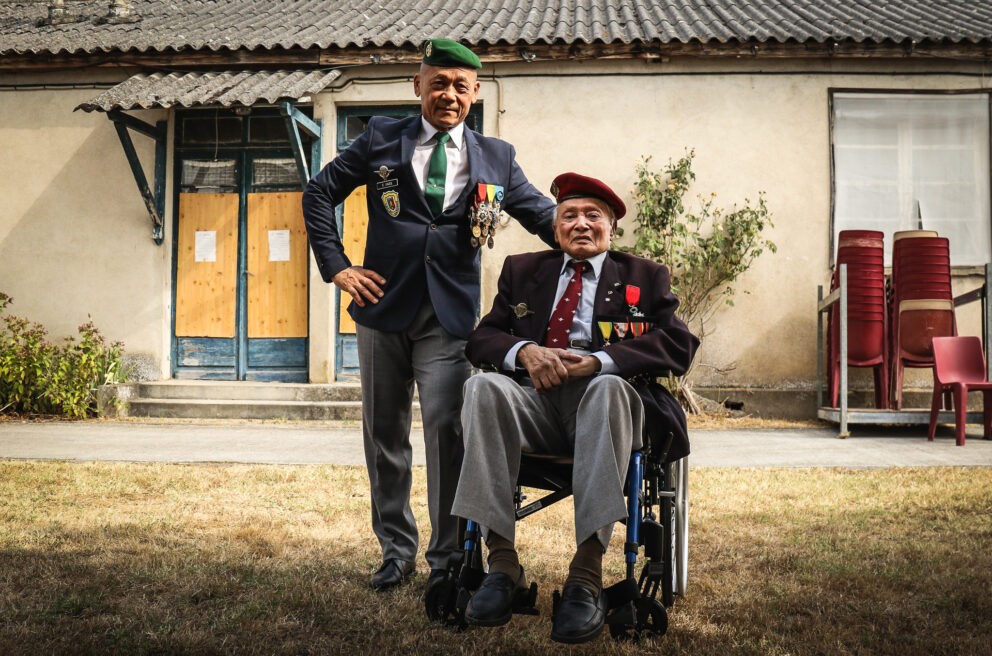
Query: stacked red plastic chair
867, 319
922, 304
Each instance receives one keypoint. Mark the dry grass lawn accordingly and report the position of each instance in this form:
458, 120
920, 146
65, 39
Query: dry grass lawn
155, 559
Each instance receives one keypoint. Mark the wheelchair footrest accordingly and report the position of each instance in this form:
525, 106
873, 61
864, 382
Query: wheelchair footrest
470, 578
526, 604
621, 592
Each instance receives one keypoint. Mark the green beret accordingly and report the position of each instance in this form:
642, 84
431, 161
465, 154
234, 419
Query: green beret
448, 53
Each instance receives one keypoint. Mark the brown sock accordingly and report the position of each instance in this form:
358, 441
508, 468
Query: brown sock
502, 556
587, 565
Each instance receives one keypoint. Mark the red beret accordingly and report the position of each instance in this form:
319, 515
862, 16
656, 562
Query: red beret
573, 185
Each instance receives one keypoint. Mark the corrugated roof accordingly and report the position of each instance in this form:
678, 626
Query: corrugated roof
226, 88
253, 24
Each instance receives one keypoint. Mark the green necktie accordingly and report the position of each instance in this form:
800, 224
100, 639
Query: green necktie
436, 172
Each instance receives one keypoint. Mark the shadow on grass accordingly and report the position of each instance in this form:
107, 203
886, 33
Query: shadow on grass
782, 562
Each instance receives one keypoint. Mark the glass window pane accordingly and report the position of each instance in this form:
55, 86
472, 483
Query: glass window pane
355, 126
275, 172
268, 129
211, 129
908, 161
209, 174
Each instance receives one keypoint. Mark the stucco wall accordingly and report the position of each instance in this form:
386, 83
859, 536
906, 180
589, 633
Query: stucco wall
751, 131
75, 238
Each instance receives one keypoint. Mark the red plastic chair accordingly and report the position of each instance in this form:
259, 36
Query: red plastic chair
921, 304
959, 367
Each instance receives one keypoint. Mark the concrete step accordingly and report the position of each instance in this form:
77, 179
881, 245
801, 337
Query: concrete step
249, 409
248, 391
179, 399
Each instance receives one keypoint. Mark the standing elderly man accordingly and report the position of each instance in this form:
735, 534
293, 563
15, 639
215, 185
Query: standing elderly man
415, 297
589, 392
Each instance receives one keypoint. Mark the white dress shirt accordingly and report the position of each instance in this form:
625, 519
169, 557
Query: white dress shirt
582, 320
457, 173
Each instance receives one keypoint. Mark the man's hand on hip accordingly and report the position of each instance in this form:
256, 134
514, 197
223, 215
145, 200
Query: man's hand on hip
546, 366
360, 283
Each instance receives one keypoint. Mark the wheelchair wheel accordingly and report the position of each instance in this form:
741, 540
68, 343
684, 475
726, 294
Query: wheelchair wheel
682, 526
674, 514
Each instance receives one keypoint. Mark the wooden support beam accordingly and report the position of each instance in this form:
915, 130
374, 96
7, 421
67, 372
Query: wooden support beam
154, 203
295, 143
154, 131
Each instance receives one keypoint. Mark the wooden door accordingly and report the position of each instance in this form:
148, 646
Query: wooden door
277, 266
206, 267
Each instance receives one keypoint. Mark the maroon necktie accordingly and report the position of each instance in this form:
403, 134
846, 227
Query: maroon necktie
561, 318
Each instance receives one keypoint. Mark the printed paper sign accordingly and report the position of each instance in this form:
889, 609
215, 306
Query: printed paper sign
278, 245
205, 249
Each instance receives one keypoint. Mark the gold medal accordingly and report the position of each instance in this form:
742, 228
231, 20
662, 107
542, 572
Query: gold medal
490, 242
476, 231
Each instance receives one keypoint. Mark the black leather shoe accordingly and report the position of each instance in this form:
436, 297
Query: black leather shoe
391, 574
492, 603
581, 615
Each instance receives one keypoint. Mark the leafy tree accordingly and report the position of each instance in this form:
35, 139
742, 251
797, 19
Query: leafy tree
706, 250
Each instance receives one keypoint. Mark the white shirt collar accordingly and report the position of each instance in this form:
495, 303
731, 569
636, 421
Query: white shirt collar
596, 261
427, 132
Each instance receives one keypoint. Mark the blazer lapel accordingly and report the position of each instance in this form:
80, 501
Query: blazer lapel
408, 142
541, 294
609, 296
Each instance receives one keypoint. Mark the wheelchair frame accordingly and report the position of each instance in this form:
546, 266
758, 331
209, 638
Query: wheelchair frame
635, 610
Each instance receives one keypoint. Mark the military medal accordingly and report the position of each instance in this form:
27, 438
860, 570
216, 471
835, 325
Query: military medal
633, 295
605, 329
621, 329
485, 213
637, 328
520, 310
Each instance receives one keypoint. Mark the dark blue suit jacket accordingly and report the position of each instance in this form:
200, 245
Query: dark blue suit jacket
413, 251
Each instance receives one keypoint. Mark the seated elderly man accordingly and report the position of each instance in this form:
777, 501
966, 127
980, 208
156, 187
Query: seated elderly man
589, 391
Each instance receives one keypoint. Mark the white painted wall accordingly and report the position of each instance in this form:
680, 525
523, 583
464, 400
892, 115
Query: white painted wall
75, 238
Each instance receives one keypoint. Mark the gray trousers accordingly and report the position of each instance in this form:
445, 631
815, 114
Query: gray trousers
597, 421
390, 363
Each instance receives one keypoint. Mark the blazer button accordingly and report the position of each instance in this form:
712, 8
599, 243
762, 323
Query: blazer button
428, 259
433, 226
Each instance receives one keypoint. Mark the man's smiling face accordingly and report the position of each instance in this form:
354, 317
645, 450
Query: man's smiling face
446, 94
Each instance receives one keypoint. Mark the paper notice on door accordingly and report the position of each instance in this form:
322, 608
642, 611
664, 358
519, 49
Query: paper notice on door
278, 245
205, 248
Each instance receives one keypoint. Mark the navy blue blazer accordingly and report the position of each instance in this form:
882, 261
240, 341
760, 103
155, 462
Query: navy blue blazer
412, 250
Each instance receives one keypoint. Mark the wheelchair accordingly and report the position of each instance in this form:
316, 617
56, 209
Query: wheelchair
657, 495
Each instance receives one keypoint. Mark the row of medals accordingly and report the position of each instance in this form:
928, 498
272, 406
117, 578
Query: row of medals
484, 220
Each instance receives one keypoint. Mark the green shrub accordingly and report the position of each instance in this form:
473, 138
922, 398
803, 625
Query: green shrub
706, 250
41, 377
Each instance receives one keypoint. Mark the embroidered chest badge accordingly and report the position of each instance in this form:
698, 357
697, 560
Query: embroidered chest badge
391, 201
